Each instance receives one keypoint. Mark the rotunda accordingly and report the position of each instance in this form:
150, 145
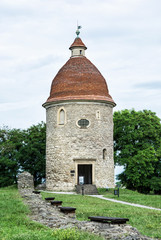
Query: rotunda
79, 121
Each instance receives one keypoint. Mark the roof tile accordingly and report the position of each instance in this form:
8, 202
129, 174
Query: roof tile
79, 79
78, 43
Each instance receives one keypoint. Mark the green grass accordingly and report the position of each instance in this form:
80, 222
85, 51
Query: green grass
133, 197
148, 222
15, 225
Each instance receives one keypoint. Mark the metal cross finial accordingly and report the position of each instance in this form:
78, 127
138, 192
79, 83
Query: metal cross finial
78, 32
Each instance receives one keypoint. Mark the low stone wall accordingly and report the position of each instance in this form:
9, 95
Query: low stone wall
44, 213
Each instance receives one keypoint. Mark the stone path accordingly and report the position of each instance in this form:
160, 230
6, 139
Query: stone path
70, 193
126, 203
110, 199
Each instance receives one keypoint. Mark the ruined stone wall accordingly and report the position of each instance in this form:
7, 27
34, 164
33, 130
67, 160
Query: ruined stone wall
44, 213
25, 181
68, 145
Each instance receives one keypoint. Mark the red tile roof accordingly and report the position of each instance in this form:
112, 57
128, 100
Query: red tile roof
79, 79
78, 43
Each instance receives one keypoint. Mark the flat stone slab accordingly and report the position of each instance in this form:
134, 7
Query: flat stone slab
36, 192
49, 198
56, 203
67, 210
108, 219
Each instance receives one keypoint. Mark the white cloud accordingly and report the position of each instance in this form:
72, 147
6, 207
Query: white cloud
123, 39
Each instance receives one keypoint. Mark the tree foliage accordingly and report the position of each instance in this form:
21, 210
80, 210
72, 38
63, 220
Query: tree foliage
137, 147
22, 150
10, 144
32, 153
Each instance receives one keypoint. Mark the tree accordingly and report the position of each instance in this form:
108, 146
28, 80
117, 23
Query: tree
32, 152
155, 182
22, 150
137, 147
10, 144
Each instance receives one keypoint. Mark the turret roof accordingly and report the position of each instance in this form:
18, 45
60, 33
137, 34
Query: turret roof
78, 43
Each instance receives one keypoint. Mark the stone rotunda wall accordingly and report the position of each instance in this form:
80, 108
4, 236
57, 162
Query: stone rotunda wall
68, 145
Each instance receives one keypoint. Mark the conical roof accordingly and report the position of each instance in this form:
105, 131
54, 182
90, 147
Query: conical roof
78, 43
79, 79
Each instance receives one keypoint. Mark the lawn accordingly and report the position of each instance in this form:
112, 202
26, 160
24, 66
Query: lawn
133, 197
15, 225
148, 222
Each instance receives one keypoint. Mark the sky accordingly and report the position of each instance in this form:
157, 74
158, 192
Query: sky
123, 39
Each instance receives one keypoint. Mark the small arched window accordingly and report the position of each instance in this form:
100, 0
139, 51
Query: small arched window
104, 153
61, 117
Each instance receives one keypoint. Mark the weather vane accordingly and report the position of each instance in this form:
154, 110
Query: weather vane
78, 32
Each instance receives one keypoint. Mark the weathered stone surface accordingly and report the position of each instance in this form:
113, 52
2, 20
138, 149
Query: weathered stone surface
68, 145
87, 189
41, 186
25, 180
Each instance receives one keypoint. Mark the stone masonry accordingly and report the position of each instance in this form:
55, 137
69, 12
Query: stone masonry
68, 145
25, 181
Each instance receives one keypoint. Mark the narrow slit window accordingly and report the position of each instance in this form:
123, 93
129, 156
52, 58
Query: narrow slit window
104, 153
80, 52
98, 114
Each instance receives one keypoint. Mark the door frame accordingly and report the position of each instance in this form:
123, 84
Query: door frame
89, 175
84, 162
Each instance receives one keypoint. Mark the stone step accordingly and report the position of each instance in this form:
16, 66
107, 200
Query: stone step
88, 189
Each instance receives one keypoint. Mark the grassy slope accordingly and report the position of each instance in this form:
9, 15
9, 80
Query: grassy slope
148, 222
133, 197
15, 225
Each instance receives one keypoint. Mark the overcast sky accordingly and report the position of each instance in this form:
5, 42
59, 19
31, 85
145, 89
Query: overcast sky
123, 39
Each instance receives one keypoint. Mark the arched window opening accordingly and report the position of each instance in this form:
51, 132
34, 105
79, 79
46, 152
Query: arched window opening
80, 52
104, 153
61, 117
